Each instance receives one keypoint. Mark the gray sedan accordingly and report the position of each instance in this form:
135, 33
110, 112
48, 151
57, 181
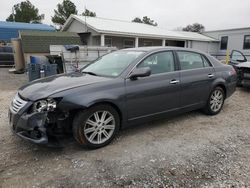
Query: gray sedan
122, 88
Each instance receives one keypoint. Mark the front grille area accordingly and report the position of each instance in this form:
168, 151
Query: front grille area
17, 104
246, 73
243, 73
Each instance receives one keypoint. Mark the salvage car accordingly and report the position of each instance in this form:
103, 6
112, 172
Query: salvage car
120, 89
242, 67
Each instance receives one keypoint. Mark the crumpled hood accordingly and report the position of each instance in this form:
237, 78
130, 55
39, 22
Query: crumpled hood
245, 64
45, 87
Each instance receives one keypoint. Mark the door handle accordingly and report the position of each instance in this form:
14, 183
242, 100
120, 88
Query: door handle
210, 75
174, 81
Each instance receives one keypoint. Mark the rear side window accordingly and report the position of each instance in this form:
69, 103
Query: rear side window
159, 62
206, 62
190, 60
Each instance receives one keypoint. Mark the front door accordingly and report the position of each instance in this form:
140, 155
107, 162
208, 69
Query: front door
157, 93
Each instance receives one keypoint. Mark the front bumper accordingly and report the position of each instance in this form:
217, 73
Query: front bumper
31, 127
245, 83
243, 76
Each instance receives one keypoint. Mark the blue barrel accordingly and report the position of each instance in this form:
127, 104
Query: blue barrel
34, 60
34, 71
50, 69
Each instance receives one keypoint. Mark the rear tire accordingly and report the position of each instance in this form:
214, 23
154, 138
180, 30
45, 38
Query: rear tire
215, 101
96, 127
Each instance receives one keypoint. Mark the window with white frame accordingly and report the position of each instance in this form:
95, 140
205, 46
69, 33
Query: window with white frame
246, 45
223, 42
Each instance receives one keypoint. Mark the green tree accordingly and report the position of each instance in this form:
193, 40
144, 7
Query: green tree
196, 27
145, 20
89, 13
25, 12
64, 10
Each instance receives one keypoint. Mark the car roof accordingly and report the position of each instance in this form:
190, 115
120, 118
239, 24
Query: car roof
159, 48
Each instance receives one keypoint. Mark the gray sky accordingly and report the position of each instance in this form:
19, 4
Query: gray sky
170, 14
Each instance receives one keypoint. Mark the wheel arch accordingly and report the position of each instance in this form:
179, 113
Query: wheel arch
220, 83
223, 87
110, 104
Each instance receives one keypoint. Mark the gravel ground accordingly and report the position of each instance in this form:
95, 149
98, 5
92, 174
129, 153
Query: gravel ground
191, 150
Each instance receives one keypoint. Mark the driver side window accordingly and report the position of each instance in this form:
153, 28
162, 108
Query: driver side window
159, 63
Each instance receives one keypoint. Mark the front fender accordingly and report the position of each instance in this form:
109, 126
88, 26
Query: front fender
82, 98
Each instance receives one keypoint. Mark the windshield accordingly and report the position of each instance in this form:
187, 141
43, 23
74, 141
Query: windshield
112, 64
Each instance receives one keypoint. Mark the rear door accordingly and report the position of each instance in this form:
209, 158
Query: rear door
196, 77
157, 93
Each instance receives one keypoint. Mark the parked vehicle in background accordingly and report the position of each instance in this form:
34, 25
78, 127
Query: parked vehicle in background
242, 67
119, 89
6, 56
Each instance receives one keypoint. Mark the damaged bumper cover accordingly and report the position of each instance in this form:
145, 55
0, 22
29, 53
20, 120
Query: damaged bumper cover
243, 72
245, 83
30, 127
44, 126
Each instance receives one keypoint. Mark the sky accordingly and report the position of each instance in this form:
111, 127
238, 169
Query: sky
169, 14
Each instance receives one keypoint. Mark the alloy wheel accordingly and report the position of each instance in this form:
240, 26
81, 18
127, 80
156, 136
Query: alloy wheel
99, 127
216, 100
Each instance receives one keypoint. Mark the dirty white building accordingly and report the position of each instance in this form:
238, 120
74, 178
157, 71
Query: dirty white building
231, 39
96, 31
125, 34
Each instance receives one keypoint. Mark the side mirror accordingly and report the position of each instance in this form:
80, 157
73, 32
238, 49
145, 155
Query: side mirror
140, 72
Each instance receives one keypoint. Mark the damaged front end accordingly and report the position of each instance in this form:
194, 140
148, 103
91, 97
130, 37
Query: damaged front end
39, 122
243, 76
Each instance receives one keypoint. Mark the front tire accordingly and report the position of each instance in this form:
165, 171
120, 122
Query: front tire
97, 126
215, 101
